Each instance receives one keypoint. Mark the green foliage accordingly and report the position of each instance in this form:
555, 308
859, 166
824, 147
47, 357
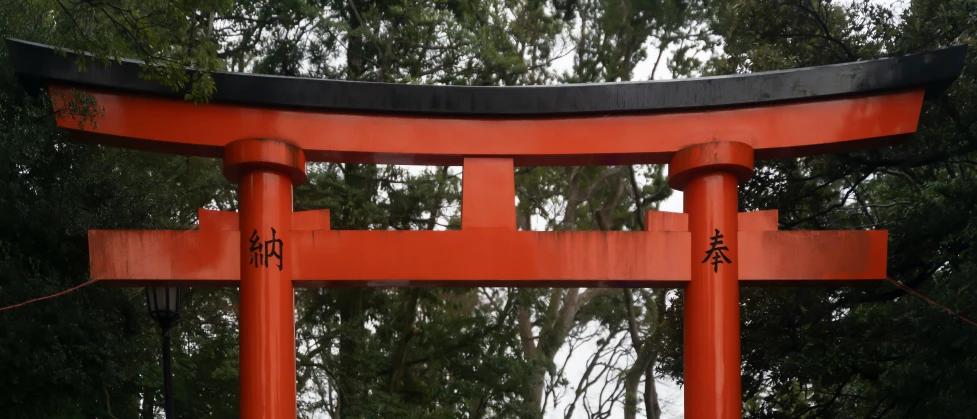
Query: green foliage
481, 353
864, 352
168, 37
363, 352
91, 353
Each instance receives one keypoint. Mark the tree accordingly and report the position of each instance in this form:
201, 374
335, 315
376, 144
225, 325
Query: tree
168, 37
371, 352
867, 352
92, 353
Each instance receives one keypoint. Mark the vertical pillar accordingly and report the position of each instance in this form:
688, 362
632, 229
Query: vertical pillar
265, 171
709, 174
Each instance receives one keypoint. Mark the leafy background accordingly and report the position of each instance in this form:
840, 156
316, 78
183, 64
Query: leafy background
488, 352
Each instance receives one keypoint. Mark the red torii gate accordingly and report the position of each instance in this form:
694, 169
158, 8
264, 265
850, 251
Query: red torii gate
708, 130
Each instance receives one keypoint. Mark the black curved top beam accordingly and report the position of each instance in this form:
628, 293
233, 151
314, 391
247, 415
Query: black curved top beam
933, 70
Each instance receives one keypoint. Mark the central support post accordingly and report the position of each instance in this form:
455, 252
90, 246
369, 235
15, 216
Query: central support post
265, 171
709, 174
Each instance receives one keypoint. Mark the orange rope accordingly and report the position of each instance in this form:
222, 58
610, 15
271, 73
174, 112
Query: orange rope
94, 280
906, 288
49, 296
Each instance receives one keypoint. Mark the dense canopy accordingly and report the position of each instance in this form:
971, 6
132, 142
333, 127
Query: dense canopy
875, 352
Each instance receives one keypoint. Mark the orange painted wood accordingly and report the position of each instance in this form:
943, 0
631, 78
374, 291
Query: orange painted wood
666, 221
731, 157
679, 221
250, 154
812, 257
217, 220
491, 258
266, 315
758, 221
228, 220
311, 220
488, 194
777, 131
210, 258
712, 311
206, 257
400, 258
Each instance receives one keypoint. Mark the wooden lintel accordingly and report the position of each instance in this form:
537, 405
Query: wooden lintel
829, 258
402, 258
488, 258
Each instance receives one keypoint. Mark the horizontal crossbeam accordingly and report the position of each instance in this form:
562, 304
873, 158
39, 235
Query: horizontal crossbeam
491, 257
818, 258
789, 130
403, 258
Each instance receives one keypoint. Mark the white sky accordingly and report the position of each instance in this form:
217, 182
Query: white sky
671, 397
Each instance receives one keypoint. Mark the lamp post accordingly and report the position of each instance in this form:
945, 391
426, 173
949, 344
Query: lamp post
164, 307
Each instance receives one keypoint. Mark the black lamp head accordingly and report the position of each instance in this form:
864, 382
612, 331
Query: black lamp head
163, 304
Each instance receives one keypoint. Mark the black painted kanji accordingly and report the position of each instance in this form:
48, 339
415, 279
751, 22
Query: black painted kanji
716, 252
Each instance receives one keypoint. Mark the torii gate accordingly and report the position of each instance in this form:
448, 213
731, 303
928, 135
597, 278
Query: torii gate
708, 130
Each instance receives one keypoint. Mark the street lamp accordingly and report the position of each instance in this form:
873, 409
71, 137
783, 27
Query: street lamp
164, 307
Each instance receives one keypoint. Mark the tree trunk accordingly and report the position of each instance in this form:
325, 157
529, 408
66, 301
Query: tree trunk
534, 400
355, 44
555, 325
148, 405
633, 377
644, 365
653, 409
350, 383
408, 316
